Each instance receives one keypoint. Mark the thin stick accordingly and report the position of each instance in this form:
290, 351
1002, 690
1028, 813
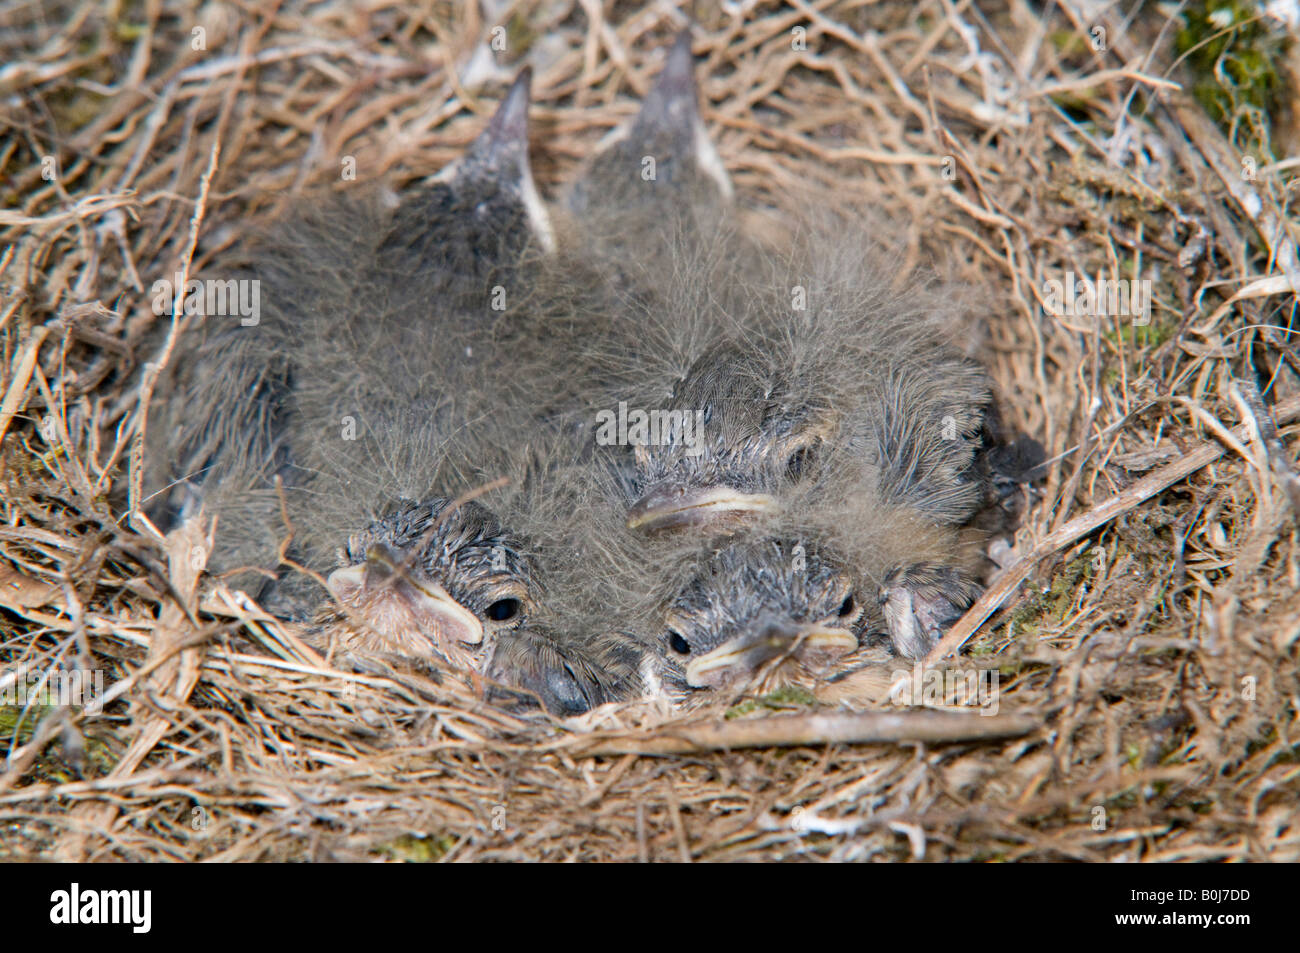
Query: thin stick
152, 371
871, 727
1010, 579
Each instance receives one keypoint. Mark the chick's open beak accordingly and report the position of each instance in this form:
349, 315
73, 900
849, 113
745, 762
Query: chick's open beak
400, 604
671, 508
740, 657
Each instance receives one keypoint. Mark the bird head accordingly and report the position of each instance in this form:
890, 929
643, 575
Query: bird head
752, 433
755, 608
430, 580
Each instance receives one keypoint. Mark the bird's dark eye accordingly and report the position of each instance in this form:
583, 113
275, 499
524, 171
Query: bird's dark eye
678, 644
503, 610
799, 463
847, 606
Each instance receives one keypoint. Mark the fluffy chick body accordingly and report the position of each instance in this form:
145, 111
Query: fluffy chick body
853, 421
404, 357
830, 405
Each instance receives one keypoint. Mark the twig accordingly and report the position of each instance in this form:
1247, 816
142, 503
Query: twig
872, 727
154, 369
1010, 579
1100, 77
1263, 428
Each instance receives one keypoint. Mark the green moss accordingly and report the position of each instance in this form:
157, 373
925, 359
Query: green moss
1133, 755
1068, 42
13, 720
1230, 49
1149, 335
125, 32
51, 767
417, 849
519, 36
790, 696
1055, 603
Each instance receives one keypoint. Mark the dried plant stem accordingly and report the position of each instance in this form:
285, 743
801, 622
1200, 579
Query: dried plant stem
1010, 578
872, 727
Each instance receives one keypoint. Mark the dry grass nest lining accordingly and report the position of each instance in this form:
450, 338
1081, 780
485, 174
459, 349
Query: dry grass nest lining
1153, 649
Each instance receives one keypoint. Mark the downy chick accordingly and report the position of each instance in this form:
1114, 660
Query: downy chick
435, 580
429, 578
759, 384
805, 606
401, 358
852, 409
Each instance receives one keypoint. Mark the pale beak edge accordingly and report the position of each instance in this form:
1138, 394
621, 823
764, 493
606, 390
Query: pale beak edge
695, 508
428, 604
739, 651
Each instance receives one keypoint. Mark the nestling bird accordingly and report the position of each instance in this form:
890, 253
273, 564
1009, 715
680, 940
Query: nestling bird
449, 581
429, 577
855, 408
811, 590
818, 391
801, 599
403, 358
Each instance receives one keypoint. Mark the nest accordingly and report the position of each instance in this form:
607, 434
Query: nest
1144, 629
